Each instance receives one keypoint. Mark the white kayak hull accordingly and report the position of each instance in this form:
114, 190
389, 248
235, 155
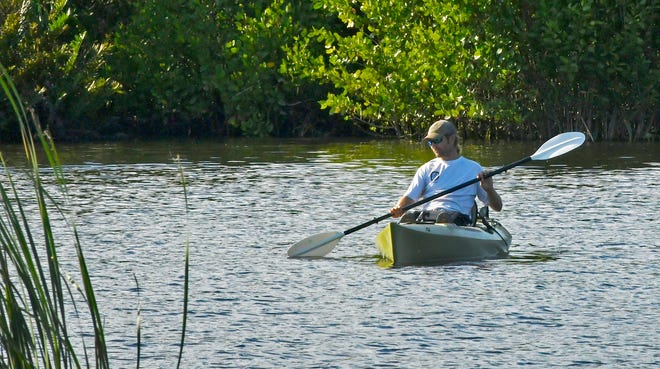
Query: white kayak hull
424, 244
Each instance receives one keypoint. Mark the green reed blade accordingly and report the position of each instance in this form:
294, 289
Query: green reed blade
33, 316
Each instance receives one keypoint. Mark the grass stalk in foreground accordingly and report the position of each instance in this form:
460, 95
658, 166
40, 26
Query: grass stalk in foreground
36, 294
34, 291
185, 274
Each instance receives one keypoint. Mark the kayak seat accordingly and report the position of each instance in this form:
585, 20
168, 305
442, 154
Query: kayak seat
412, 216
435, 216
453, 217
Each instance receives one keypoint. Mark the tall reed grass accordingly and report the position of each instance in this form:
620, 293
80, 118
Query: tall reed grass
36, 294
38, 297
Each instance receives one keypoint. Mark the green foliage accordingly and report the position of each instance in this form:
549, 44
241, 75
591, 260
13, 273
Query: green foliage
165, 58
57, 68
205, 62
591, 64
278, 67
260, 100
252, 92
543, 65
402, 64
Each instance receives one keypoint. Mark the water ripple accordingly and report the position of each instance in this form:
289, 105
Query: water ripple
579, 288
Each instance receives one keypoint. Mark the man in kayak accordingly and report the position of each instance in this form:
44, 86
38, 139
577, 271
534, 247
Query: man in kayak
445, 171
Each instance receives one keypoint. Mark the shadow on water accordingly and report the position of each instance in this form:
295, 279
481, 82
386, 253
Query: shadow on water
477, 264
532, 257
388, 264
517, 257
384, 263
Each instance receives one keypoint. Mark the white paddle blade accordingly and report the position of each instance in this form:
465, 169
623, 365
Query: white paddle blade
559, 145
315, 246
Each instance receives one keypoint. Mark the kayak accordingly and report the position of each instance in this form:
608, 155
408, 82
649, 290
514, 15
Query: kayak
438, 243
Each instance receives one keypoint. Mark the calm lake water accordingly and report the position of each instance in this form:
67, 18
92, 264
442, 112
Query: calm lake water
580, 287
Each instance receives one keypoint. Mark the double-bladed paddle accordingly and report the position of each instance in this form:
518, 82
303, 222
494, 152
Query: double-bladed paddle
322, 243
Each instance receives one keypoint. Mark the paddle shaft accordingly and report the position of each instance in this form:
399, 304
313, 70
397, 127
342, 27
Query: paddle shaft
439, 194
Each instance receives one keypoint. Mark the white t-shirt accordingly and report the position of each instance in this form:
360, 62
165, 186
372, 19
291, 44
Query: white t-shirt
438, 175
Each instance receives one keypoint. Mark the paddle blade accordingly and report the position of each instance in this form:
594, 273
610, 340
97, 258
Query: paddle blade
315, 246
559, 145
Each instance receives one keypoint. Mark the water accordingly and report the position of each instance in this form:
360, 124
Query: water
580, 287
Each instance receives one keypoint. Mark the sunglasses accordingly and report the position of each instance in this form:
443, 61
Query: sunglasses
436, 141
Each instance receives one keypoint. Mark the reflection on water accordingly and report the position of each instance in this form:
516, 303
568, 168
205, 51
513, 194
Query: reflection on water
579, 288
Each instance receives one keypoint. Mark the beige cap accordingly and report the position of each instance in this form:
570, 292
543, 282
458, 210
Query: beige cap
439, 129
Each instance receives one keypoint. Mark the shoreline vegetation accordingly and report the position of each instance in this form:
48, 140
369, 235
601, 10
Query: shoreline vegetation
120, 69
43, 305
